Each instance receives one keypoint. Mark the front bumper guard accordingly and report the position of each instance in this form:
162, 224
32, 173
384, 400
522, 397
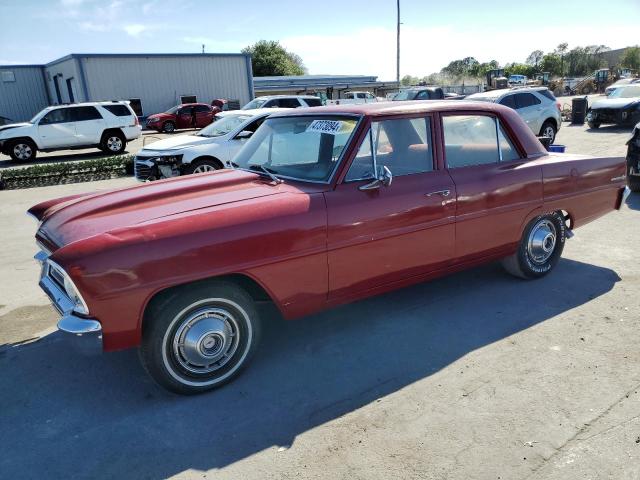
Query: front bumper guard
84, 334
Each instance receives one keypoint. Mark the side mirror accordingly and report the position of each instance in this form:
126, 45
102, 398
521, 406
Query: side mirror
244, 134
384, 179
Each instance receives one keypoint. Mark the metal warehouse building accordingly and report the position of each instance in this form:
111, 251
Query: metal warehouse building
331, 86
152, 82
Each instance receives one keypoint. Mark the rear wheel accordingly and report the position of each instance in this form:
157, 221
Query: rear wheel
540, 248
548, 130
633, 181
169, 127
113, 142
198, 340
594, 125
22, 150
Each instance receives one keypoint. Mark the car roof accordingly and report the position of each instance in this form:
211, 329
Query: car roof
254, 112
269, 97
87, 104
494, 94
393, 108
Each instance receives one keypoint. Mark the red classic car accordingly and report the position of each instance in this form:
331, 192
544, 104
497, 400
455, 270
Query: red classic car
187, 115
324, 206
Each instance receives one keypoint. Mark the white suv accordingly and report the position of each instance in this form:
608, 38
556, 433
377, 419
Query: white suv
536, 105
283, 101
104, 125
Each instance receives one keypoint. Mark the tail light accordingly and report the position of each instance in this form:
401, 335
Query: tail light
559, 106
136, 122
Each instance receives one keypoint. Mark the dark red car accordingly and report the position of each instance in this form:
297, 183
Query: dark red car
187, 115
325, 206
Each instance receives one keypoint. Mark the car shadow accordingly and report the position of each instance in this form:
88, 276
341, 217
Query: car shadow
66, 415
62, 158
611, 129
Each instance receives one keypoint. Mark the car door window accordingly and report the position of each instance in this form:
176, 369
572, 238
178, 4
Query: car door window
508, 151
59, 115
253, 126
185, 111
403, 146
423, 95
83, 114
470, 140
509, 101
288, 103
270, 104
313, 102
524, 100
202, 109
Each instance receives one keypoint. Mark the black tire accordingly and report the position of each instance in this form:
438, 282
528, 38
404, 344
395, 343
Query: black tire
113, 142
594, 125
211, 322
586, 90
22, 150
168, 127
633, 181
524, 263
203, 165
549, 130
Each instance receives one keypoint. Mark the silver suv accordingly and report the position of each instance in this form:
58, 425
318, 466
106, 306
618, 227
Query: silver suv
536, 105
283, 101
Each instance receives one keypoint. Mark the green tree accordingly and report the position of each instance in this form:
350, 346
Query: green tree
535, 58
408, 80
552, 63
631, 58
268, 58
561, 50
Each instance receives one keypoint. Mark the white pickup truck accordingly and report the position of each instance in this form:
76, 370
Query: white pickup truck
353, 98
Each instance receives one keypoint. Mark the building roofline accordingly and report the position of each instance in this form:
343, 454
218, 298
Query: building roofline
34, 65
142, 55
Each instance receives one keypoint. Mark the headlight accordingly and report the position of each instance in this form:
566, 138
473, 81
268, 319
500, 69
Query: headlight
72, 292
169, 160
153, 120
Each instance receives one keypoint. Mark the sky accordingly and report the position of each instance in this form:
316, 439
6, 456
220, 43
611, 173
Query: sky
338, 37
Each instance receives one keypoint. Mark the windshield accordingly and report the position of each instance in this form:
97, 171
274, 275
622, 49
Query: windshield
255, 103
304, 148
629, 91
404, 95
173, 110
223, 126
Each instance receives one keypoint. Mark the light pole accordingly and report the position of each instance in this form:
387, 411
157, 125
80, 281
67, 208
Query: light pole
398, 45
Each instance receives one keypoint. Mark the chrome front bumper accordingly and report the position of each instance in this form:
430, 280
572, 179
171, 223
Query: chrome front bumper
83, 333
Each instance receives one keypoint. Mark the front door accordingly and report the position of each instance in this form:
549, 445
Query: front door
529, 107
185, 117
57, 129
384, 235
496, 188
204, 115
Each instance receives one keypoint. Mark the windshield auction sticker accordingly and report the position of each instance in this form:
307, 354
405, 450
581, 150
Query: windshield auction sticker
332, 127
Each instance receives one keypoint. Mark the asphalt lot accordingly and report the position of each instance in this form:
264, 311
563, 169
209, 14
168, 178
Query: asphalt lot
474, 376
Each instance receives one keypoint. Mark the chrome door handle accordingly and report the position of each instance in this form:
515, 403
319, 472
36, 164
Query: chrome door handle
444, 193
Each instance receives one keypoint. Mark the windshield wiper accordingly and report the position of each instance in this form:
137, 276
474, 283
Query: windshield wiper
269, 172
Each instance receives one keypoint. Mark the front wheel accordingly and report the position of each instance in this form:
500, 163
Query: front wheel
169, 127
22, 150
204, 165
540, 248
594, 125
197, 340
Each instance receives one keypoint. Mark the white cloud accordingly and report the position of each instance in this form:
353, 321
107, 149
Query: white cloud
372, 51
94, 27
135, 29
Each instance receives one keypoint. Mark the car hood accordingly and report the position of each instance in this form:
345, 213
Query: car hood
176, 142
75, 218
14, 125
614, 103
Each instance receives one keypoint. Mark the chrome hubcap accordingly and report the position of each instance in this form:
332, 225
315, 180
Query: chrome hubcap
542, 241
114, 144
206, 340
22, 151
169, 127
204, 168
548, 132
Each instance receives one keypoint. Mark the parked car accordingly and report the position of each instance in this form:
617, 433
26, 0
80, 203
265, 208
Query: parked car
209, 149
620, 83
633, 160
536, 105
353, 98
420, 93
515, 80
621, 107
283, 101
186, 115
325, 206
104, 125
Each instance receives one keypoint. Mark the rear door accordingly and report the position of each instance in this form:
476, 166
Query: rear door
529, 107
89, 125
497, 189
204, 115
57, 129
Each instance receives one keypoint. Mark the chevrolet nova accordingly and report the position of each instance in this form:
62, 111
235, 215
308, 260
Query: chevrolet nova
324, 206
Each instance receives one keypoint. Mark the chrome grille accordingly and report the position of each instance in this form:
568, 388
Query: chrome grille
56, 276
143, 168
